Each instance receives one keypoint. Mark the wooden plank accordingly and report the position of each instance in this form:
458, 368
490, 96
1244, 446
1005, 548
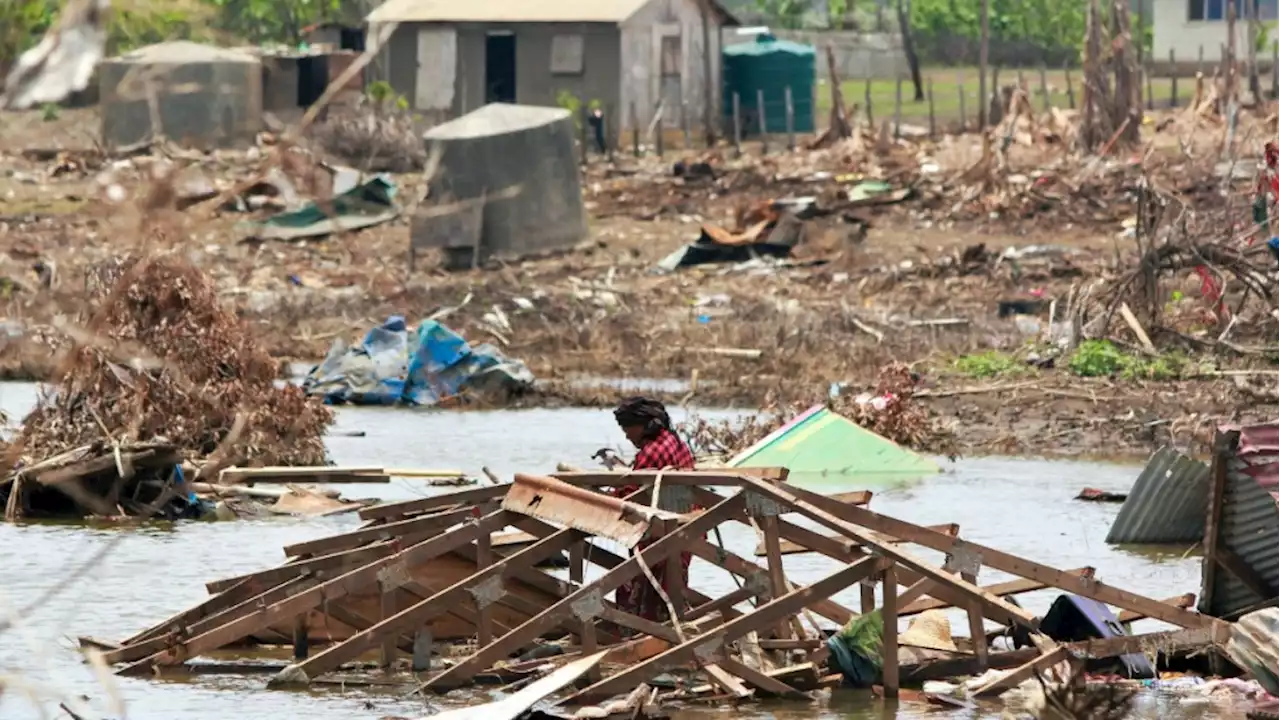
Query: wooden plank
1023, 672
1018, 566
418, 614
766, 614
464, 498
794, 548
1222, 443
749, 571
760, 681
1004, 589
387, 531
977, 630
777, 580
889, 637
727, 680
611, 580
1171, 641
1184, 601
236, 593
328, 591
742, 594
993, 607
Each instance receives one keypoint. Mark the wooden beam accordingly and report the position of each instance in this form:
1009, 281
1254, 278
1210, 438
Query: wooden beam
760, 681
611, 580
749, 571
1183, 601
464, 498
711, 641
994, 607
889, 636
1004, 589
328, 591
1016, 565
793, 548
483, 585
1023, 672
742, 594
388, 531
1223, 445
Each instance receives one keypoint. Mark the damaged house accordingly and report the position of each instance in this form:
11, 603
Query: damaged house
448, 57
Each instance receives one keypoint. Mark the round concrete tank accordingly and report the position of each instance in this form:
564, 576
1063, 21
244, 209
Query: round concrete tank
516, 167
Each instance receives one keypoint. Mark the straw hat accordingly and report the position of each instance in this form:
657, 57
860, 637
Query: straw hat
929, 630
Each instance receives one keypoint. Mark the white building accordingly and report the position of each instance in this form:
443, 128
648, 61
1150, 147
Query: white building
1186, 26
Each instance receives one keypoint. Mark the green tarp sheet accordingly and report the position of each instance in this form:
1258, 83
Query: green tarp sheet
823, 448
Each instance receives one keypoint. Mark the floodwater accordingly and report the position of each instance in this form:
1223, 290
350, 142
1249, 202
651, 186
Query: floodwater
1021, 506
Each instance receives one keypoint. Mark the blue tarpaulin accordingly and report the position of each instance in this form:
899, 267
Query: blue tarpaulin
395, 365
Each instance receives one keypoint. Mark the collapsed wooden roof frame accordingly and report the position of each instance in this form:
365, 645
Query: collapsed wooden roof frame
402, 535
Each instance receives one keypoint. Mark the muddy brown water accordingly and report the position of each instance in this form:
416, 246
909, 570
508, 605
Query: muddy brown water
1019, 505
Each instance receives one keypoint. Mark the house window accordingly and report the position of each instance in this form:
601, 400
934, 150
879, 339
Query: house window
566, 55
672, 58
1217, 9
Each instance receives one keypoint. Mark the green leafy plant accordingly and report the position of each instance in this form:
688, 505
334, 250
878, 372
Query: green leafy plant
1101, 358
1096, 358
990, 364
49, 112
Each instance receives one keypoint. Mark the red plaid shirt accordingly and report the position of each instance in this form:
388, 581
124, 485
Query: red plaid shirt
665, 452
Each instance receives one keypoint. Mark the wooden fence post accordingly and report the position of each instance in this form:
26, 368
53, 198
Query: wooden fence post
866, 98
737, 125
1173, 68
1071, 90
1044, 88
964, 116
897, 109
933, 121
762, 123
791, 120
635, 130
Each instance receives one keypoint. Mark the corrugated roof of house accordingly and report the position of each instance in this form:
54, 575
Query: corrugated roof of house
513, 11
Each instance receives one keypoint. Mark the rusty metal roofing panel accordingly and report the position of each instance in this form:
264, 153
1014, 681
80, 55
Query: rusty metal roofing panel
1258, 447
1167, 503
560, 503
1249, 527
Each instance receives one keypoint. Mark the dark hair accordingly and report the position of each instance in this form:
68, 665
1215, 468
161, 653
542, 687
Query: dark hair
645, 412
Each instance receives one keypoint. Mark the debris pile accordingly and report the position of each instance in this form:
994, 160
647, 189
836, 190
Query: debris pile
375, 140
161, 362
427, 584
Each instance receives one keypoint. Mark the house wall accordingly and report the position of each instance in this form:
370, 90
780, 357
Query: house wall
641, 79
417, 64
1172, 30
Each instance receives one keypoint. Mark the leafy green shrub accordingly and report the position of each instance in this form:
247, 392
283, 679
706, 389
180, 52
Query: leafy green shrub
1096, 358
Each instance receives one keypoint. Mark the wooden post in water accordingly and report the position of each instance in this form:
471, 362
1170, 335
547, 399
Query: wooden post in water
889, 641
635, 130
791, 120
964, 115
737, 125
422, 650
762, 123
897, 109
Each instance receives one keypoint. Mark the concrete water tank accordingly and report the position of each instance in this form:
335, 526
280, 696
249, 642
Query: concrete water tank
510, 175
206, 97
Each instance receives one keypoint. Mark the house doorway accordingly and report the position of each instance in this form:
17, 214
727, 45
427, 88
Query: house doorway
500, 67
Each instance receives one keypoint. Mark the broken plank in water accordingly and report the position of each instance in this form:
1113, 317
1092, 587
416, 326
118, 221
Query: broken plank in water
299, 474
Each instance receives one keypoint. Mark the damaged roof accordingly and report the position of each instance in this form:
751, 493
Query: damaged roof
506, 11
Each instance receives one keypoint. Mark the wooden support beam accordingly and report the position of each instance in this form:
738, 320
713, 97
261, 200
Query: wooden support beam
484, 607
753, 573
387, 531
236, 593
1023, 672
1172, 641
760, 681
1015, 565
793, 548
611, 580
1183, 601
461, 498
485, 586
993, 607
977, 630
388, 606
889, 638
328, 591
1004, 589
708, 644
742, 594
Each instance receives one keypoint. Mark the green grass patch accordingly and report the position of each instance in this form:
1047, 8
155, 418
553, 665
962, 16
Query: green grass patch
990, 364
1101, 358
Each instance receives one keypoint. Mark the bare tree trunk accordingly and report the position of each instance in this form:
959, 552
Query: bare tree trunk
983, 100
909, 47
1255, 86
1128, 98
708, 121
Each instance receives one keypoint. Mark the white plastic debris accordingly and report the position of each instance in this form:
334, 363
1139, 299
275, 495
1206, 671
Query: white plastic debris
63, 61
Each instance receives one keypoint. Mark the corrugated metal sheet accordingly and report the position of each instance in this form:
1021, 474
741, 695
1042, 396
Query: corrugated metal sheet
1250, 523
1167, 503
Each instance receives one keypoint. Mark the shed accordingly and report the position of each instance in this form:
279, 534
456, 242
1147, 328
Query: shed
448, 57
206, 96
1183, 29
507, 184
770, 66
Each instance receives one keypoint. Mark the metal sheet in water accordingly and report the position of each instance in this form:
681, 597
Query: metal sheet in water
1167, 503
558, 502
515, 705
1249, 524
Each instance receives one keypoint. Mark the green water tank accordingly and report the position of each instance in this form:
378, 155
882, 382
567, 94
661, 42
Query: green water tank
770, 65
